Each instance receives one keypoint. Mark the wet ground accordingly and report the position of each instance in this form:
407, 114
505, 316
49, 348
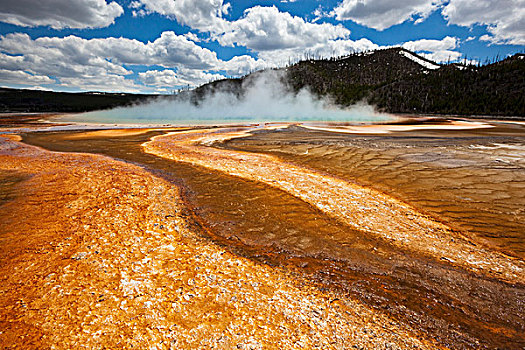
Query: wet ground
459, 309
26, 120
474, 181
8, 180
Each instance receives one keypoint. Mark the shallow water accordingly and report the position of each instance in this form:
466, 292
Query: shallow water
458, 308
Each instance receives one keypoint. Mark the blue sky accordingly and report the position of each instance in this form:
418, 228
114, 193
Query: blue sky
157, 46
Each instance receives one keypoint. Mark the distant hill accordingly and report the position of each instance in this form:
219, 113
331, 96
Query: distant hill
399, 81
352, 78
494, 89
21, 100
395, 80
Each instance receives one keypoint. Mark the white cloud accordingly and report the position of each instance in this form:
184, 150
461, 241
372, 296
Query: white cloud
382, 14
24, 78
435, 50
101, 63
319, 13
62, 57
505, 19
193, 37
60, 14
241, 65
74, 55
336, 48
104, 82
11, 62
442, 56
204, 15
330, 48
196, 77
160, 78
37, 87
169, 78
168, 50
260, 28
266, 28
446, 43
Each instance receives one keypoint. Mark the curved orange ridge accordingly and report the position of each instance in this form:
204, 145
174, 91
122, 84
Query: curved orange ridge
362, 208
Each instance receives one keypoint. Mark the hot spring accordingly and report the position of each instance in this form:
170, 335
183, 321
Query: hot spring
265, 99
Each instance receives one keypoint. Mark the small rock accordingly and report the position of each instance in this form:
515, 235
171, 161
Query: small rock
79, 256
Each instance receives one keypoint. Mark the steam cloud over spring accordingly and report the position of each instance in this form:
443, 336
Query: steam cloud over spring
264, 98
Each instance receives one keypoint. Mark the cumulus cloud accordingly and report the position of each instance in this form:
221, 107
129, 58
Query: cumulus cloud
204, 15
435, 50
11, 62
261, 28
432, 45
74, 55
79, 62
382, 14
159, 78
104, 82
266, 28
62, 57
330, 48
59, 14
240, 65
21, 77
443, 56
183, 76
505, 19
342, 47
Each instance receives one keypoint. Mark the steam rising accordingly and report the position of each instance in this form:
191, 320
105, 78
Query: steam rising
265, 99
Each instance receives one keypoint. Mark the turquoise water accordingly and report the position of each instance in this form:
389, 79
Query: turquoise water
132, 116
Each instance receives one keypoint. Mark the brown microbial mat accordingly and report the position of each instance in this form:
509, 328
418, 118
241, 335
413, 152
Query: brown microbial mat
473, 180
26, 120
470, 180
8, 181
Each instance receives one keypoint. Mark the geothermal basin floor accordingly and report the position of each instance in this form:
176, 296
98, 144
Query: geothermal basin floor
235, 237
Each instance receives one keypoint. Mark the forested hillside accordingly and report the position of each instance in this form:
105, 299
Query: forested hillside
351, 79
398, 81
17, 100
495, 89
